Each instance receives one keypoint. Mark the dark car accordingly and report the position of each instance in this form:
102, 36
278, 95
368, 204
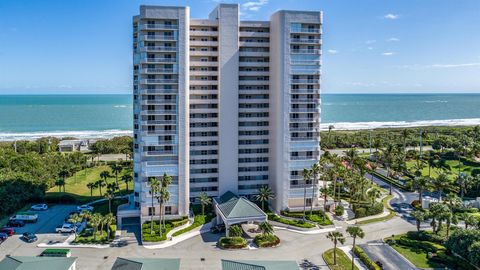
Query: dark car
7, 230
29, 237
380, 264
16, 223
3, 237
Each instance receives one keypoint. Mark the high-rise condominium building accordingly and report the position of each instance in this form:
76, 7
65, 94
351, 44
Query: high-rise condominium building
223, 105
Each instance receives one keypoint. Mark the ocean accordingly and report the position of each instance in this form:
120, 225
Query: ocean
104, 116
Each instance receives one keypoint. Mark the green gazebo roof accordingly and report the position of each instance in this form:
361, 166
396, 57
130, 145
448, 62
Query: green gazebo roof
233, 206
259, 265
35, 263
146, 264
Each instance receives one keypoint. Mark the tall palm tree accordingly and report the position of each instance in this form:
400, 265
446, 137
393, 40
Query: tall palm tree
419, 216
63, 174
421, 183
75, 219
108, 220
452, 200
116, 169
164, 195
91, 186
100, 183
336, 237
354, 232
60, 183
264, 195
307, 176
127, 178
204, 201
463, 182
154, 191
105, 175
441, 183
95, 221
110, 194
330, 128
374, 193
315, 173
388, 156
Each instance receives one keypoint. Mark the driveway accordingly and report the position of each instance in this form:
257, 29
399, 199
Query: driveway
379, 251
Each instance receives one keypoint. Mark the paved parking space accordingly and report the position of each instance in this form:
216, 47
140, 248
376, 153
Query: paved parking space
378, 251
47, 220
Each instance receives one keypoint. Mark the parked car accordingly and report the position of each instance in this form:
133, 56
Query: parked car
66, 228
3, 237
84, 207
380, 264
25, 217
7, 230
39, 207
15, 223
29, 237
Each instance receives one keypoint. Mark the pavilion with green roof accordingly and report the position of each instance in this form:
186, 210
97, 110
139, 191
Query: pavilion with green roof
232, 209
259, 265
36, 263
146, 264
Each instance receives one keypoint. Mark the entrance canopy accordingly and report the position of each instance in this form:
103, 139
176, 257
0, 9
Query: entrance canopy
232, 209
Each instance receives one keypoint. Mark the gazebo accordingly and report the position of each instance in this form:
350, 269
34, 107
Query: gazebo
232, 209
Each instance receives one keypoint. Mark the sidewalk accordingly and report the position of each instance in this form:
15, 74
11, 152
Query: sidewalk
67, 244
348, 251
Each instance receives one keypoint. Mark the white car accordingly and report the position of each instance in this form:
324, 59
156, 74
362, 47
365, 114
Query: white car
66, 228
39, 207
85, 208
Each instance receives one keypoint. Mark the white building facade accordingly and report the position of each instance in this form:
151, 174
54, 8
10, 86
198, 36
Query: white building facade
223, 105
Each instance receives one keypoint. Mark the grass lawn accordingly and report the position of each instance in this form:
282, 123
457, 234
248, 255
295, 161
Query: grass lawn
343, 262
452, 165
101, 238
76, 185
416, 256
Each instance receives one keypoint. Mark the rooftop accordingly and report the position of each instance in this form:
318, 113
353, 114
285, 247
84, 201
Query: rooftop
146, 264
35, 263
259, 265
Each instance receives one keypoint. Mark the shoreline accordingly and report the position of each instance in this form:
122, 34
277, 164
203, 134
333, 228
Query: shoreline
339, 126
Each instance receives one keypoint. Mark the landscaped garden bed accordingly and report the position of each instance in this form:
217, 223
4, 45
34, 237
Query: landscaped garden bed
149, 235
371, 265
266, 240
232, 242
343, 262
292, 222
317, 216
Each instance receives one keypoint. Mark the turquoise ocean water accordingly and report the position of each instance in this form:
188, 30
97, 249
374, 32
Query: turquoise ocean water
29, 116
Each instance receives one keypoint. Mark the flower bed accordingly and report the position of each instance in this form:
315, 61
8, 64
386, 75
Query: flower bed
232, 242
266, 240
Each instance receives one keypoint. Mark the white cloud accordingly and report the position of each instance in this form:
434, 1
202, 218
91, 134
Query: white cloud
391, 16
393, 39
442, 66
332, 51
388, 53
254, 5
370, 41
370, 48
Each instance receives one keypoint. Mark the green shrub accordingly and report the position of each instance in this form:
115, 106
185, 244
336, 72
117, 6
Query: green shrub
321, 219
364, 211
266, 240
426, 236
232, 242
295, 223
339, 210
371, 265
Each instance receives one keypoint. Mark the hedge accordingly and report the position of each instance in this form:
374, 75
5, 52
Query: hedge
317, 216
295, 223
232, 242
367, 210
371, 265
266, 240
389, 180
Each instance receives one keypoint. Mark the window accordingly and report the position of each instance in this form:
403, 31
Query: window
308, 201
151, 211
168, 210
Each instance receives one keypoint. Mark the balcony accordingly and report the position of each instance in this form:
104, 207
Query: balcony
305, 51
203, 43
161, 153
159, 81
158, 26
254, 34
158, 101
158, 132
157, 70
159, 91
306, 129
196, 33
305, 81
158, 60
158, 38
305, 30
304, 120
203, 63
158, 49
303, 157
305, 40
152, 112
305, 71
305, 110
158, 122
203, 53
304, 91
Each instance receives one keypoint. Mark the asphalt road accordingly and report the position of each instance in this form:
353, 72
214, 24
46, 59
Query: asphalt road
391, 260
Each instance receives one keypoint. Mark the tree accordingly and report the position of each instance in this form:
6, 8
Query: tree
374, 193
127, 178
335, 237
100, 183
441, 183
108, 220
463, 182
235, 231
388, 155
204, 201
60, 183
264, 195
315, 173
307, 175
405, 133
453, 201
116, 169
470, 220
330, 128
354, 232
110, 195
421, 183
154, 191
91, 186
450, 219
437, 213
75, 219
419, 216
164, 195
266, 228
95, 221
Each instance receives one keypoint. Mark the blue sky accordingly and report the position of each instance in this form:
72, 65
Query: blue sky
370, 46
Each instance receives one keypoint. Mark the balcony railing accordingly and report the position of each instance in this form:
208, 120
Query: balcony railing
304, 120
158, 101
161, 153
305, 91
159, 91
158, 26
305, 40
159, 122
157, 70
305, 110
305, 30
159, 37
306, 51
305, 81
148, 81
159, 48
159, 60
303, 157
158, 132
305, 100
160, 112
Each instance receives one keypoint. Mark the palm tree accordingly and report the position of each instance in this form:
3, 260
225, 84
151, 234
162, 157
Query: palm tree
75, 219
63, 174
100, 183
164, 195
307, 175
441, 183
421, 183
449, 218
315, 173
116, 169
463, 182
60, 183
235, 231
330, 128
405, 133
266, 228
388, 155
470, 220
105, 175
264, 195
204, 201
95, 221
154, 190
110, 195
91, 186
127, 178
335, 237
108, 220
437, 213
374, 193
354, 232
419, 216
